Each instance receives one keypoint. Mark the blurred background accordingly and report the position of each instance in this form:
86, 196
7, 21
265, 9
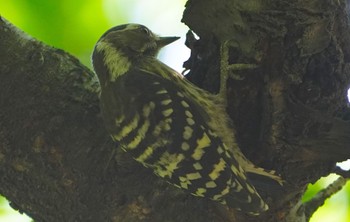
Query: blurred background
75, 26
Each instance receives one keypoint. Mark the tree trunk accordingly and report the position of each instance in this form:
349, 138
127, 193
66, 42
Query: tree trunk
57, 162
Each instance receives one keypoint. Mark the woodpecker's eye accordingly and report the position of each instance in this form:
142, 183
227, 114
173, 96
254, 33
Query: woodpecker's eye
145, 30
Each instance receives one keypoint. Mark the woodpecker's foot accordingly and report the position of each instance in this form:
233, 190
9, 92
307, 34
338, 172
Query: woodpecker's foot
228, 70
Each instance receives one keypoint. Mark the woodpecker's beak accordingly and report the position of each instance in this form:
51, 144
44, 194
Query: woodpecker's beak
163, 41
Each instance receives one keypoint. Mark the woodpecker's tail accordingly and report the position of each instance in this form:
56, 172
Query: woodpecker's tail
247, 200
271, 174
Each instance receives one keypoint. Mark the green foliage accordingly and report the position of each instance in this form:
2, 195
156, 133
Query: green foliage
60, 23
7, 214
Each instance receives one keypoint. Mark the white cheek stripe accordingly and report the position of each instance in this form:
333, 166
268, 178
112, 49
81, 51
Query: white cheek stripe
117, 64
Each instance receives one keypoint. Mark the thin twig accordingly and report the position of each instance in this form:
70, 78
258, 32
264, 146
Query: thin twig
318, 200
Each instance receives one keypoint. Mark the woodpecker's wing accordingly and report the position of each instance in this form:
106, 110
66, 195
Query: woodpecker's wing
164, 129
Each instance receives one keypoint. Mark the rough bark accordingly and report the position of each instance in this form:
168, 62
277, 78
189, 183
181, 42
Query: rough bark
290, 113
57, 162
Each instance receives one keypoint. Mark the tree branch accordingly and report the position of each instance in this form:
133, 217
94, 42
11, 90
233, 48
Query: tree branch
56, 159
318, 200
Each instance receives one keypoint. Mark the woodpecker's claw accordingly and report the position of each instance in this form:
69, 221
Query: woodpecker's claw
228, 70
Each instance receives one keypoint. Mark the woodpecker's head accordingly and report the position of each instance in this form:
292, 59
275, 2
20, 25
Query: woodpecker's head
124, 46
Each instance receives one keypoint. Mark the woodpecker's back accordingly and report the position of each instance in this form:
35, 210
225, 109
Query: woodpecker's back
168, 124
